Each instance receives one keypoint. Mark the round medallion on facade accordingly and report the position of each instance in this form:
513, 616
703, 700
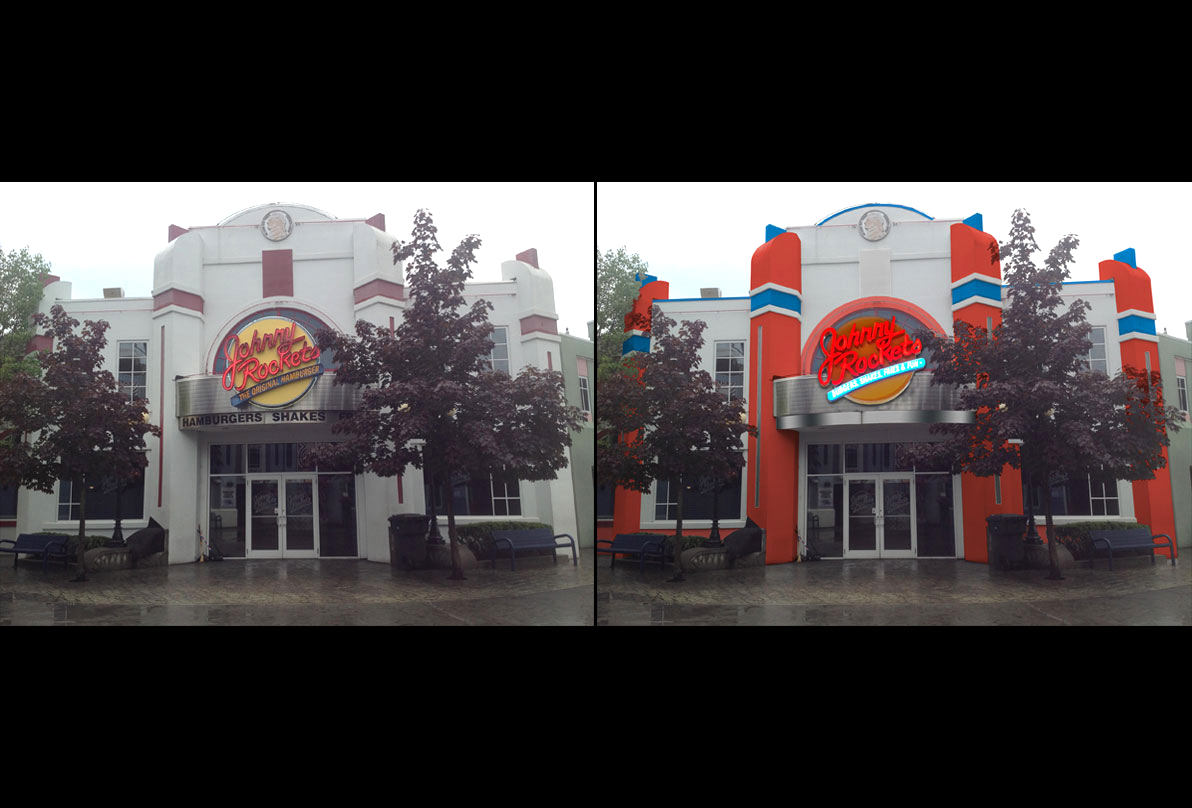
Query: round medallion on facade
277, 225
874, 225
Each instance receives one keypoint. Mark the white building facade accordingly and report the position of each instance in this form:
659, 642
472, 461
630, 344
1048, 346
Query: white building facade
225, 352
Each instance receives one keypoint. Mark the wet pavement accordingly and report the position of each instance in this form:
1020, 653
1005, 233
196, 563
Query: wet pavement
897, 593
300, 593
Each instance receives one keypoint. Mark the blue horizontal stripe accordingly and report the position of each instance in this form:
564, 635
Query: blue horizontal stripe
1132, 322
977, 288
773, 297
638, 342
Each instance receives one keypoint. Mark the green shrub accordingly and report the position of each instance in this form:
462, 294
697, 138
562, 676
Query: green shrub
478, 536
1076, 535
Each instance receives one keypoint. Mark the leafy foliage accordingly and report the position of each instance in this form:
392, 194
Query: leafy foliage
21, 277
430, 399
670, 420
1027, 380
76, 422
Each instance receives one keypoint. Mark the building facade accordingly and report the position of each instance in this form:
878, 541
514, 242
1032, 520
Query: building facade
821, 352
225, 352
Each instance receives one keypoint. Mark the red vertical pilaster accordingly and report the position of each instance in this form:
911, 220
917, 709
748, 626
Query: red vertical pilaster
974, 253
772, 464
1153, 505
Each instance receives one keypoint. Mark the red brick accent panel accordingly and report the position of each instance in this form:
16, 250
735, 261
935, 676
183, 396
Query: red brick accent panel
177, 297
530, 257
277, 273
536, 322
378, 287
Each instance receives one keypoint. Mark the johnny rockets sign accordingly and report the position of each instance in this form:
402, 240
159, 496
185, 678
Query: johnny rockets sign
271, 362
868, 359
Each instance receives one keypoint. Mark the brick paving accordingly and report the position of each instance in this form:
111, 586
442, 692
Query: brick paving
897, 592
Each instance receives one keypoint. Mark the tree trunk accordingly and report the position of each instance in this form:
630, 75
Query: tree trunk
457, 567
82, 576
679, 533
1053, 558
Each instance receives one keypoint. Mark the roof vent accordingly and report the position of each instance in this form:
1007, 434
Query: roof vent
113, 292
709, 293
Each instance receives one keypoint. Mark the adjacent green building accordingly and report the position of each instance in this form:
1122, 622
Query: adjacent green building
578, 359
1175, 362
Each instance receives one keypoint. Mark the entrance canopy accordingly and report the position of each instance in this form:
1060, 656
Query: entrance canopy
800, 403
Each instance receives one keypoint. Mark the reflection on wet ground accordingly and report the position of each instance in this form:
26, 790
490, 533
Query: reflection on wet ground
299, 593
896, 593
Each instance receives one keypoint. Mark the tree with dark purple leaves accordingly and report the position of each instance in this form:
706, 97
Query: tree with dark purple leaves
75, 423
664, 419
430, 398
1029, 381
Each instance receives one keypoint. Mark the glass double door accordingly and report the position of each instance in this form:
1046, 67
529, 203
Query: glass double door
283, 517
880, 519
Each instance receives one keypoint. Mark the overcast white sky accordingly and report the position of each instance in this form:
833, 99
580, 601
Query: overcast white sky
98, 235
697, 234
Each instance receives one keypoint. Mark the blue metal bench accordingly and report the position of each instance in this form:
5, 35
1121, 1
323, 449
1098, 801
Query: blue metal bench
1133, 539
642, 545
538, 538
44, 545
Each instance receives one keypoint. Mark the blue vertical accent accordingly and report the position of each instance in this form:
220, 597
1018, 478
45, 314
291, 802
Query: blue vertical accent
976, 222
637, 342
773, 297
1132, 322
1126, 256
772, 231
977, 288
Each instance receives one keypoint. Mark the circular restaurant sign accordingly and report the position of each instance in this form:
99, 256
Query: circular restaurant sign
868, 351
270, 362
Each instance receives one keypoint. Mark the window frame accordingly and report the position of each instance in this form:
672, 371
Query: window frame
132, 386
1104, 360
492, 360
731, 384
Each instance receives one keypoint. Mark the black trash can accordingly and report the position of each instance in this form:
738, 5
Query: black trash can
1003, 539
407, 539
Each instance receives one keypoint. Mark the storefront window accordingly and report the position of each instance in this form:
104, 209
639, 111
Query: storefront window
825, 515
1077, 495
337, 515
8, 502
933, 515
101, 499
495, 495
697, 500
227, 515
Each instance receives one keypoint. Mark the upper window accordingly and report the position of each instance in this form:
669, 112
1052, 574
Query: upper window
585, 402
134, 369
1181, 392
499, 358
730, 369
1096, 359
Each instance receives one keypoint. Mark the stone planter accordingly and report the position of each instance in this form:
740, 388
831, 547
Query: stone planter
715, 558
1035, 557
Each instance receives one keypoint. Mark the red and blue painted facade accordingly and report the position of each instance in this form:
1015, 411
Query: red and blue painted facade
873, 271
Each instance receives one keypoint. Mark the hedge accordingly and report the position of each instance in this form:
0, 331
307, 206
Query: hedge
478, 536
1075, 535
